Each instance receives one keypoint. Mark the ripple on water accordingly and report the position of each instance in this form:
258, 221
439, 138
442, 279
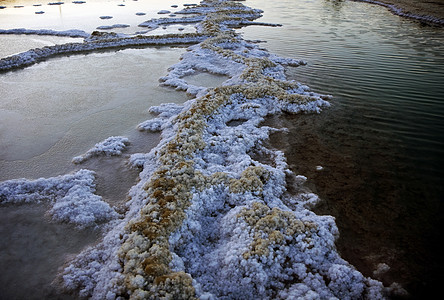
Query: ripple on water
381, 144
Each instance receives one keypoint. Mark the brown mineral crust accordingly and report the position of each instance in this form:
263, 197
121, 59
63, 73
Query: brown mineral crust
433, 8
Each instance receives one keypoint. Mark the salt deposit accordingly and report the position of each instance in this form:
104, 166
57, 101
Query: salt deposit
112, 146
109, 27
207, 219
72, 197
69, 33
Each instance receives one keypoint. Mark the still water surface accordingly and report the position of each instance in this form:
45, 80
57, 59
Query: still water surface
382, 142
67, 15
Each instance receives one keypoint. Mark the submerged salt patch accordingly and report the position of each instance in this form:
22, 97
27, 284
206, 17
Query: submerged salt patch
72, 196
81, 207
112, 146
163, 12
109, 27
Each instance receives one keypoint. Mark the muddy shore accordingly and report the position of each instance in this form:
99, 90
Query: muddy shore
432, 8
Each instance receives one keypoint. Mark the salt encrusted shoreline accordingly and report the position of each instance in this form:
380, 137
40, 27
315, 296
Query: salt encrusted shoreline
210, 217
91, 44
72, 198
410, 9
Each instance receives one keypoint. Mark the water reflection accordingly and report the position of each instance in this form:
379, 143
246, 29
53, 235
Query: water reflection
381, 144
82, 16
61, 113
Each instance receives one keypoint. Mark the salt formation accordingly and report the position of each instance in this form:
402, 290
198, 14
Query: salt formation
72, 197
210, 217
70, 33
165, 112
112, 146
95, 41
109, 27
214, 222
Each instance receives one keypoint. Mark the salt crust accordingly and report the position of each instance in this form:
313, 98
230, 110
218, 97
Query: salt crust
206, 219
95, 41
75, 33
165, 112
112, 146
109, 27
72, 197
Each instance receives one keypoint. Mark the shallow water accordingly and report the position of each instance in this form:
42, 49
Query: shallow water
381, 144
67, 15
71, 103
33, 250
68, 105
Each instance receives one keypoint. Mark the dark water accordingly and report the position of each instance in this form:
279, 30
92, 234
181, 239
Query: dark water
381, 144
